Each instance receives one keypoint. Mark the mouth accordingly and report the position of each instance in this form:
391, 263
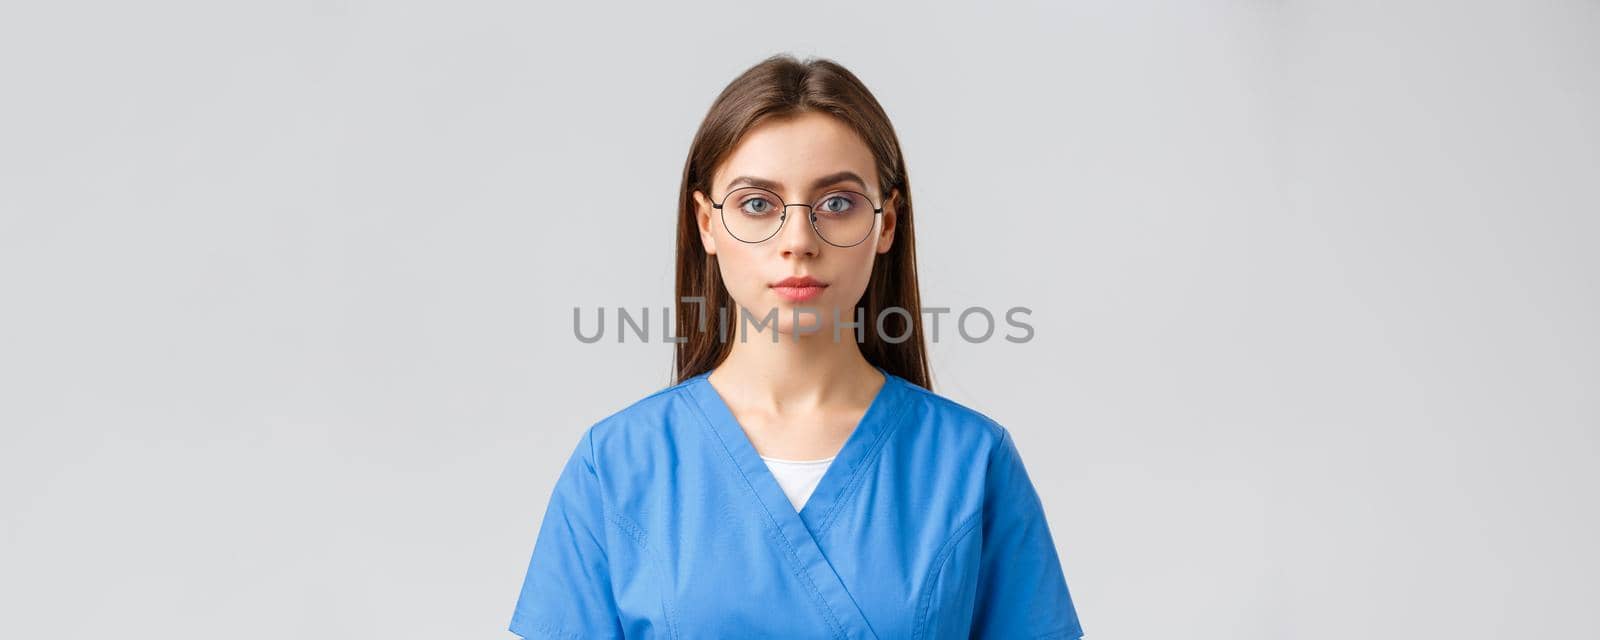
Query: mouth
798, 288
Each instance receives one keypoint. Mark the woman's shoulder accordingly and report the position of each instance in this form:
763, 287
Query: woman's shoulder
645, 421
946, 413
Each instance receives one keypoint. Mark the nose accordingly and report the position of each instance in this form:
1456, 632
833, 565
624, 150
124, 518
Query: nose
797, 237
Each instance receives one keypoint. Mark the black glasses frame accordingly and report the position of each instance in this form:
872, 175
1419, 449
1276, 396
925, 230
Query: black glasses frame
783, 218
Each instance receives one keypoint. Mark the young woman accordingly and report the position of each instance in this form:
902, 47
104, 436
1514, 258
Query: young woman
800, 479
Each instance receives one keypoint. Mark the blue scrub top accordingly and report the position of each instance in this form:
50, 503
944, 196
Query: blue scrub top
665, 523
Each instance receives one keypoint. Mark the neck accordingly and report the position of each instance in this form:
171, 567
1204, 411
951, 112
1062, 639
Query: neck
797, 372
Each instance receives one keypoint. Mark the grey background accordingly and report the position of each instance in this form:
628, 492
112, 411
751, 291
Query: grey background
286, 293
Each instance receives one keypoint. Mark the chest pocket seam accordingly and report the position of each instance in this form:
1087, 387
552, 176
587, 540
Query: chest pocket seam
919, 626
638, 535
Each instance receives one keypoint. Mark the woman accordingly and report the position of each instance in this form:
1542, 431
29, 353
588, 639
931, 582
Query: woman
800, 479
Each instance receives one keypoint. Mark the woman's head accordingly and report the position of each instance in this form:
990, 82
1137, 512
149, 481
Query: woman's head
796, 173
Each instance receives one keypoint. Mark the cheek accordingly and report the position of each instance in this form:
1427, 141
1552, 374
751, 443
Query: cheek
739, 267
853, 274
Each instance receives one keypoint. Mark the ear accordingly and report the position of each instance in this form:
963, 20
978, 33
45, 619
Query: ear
890, 210
703, 217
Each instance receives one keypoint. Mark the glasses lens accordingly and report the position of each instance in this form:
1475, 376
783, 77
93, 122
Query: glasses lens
752, 214
843, 218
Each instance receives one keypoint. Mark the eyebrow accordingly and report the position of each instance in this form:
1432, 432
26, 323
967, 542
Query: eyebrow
774, 186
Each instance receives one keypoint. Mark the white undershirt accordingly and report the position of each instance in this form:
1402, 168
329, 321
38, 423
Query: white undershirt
798, 477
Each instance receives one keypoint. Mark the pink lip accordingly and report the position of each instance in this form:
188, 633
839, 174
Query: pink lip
799, 288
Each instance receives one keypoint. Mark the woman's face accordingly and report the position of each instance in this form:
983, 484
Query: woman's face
804, 159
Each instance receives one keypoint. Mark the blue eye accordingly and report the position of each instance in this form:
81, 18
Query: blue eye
756, 206
837, 204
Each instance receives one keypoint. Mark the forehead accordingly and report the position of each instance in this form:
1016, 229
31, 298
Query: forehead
798, 149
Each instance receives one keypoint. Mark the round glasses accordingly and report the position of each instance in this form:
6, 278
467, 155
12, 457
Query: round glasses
840, 218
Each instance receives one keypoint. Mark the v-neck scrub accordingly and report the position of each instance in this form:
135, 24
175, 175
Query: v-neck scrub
924, 525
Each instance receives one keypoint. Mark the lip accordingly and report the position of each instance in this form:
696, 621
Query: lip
799, 288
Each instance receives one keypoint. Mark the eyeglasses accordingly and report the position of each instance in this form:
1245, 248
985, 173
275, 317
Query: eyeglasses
840, 218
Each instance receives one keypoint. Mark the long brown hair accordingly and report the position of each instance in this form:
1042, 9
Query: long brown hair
782, 86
